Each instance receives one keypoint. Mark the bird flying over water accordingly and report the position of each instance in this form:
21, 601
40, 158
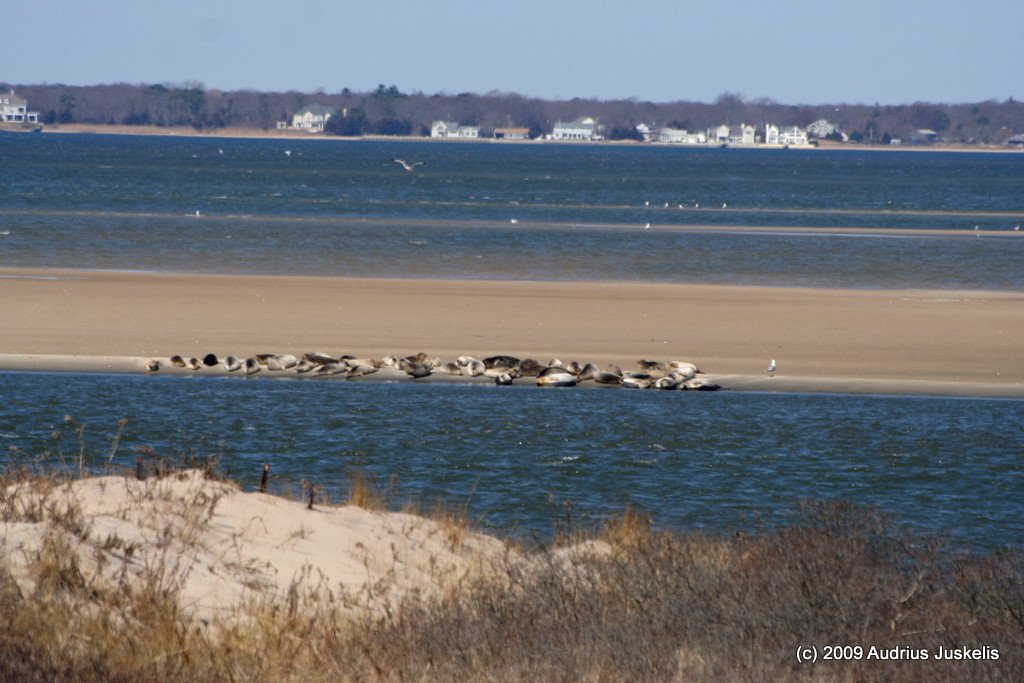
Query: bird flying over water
407, 166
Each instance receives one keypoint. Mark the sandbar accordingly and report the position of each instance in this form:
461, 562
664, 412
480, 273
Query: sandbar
965, 343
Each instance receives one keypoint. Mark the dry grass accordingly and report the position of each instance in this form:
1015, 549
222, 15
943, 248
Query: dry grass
630, 603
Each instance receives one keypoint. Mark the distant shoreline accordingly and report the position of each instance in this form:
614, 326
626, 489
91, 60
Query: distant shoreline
291, 134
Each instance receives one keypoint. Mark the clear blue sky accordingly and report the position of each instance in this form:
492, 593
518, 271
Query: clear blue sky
867, 51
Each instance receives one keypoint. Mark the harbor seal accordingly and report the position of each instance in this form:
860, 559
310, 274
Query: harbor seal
529, 367
318, 358
210, 360
360, 370
251, 366
611, 375
152, 365
177, 361
451, 369
194, 363
504, 379
304, 366
231, 364
282, 362
503, 362
475, 368
556, 378
587, 372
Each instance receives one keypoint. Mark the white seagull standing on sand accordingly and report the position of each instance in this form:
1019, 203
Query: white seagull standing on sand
771, 368
407, 166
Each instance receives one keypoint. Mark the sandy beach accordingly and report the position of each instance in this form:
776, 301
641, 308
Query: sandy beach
888, 341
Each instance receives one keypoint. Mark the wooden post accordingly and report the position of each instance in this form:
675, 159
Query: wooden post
263, 481
138, 468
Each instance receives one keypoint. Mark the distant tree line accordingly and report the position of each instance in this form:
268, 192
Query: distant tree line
388, 111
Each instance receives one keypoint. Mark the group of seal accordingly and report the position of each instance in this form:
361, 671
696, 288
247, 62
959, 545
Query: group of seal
504, 370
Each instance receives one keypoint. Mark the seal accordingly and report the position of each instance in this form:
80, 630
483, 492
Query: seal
611, 375
251, 366
304, 366
504, 379
475, 368
587, 372
451, 369
529, 367
556, 377
503, 362
318, 358
152, 365
699, 384
231, 364
637, 380
282, 362
328, 369
177, 361
194, 363
417, 370
360, 370
210, 359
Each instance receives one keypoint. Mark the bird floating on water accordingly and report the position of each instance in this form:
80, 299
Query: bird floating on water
513, 221
724, 205
407, 166
287, 152
647, 226
198, 215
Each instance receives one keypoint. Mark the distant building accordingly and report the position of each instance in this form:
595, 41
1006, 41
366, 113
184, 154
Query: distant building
580, 129
312, 117
822, 129
1015, 141
924, 136
793, 136
511, 133
681, 136
453, 129
14, 109
645, 131
734, 135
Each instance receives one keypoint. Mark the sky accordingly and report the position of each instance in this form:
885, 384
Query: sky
792, 51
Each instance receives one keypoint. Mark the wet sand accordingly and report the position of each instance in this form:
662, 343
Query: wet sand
876, 341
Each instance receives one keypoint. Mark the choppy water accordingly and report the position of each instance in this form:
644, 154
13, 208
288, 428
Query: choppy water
344, 208
514, 455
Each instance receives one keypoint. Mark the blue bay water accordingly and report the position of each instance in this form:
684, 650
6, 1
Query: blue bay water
514, 455
344, 208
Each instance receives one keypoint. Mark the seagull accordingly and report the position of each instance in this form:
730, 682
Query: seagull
220, 151
514, 221
771, 368
724, 205
647, 203
287, 152
1016, 227
198, 215
407, 166
680, 206
647, 226
696, 205
666, 205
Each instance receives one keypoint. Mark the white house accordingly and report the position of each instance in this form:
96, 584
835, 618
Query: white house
14, 109
453, 129
682, 137
644, 130
792, 136
312, 117
580, 129
822, 129
734, 135
771, 134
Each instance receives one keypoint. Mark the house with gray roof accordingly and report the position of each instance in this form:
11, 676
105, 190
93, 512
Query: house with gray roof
584, 128
14, 109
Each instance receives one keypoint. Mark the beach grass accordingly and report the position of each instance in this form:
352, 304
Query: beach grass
628, 602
